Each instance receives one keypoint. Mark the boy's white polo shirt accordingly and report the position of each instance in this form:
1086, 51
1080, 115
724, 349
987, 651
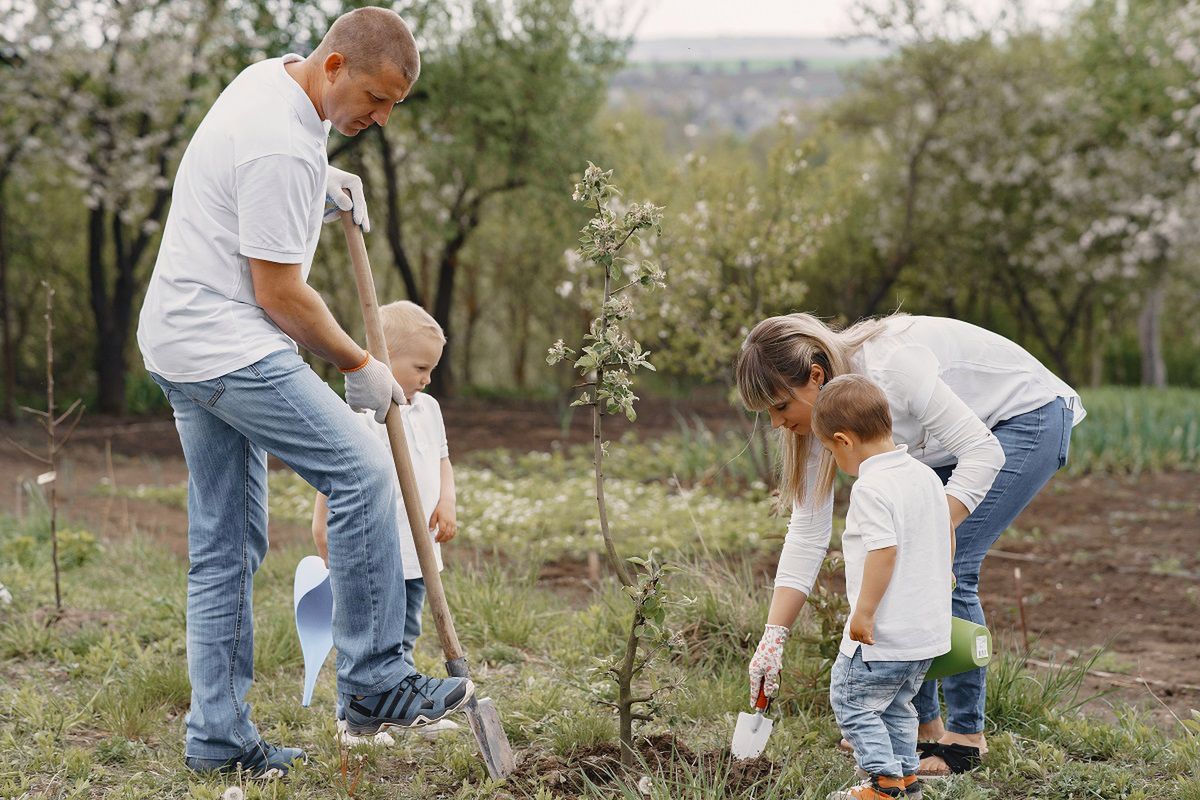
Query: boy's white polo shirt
251, 184
426, 432
898, 501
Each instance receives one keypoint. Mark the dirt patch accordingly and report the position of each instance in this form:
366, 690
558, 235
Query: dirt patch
659, 756
1109, 562
69, 621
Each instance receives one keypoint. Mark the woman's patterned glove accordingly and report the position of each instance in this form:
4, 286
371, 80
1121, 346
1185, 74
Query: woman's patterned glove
767, 662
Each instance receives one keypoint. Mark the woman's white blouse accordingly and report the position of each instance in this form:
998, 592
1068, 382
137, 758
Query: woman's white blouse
948, 383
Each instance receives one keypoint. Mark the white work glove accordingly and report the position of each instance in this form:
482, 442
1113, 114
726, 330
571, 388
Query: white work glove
767, 662
337, 183
371, 387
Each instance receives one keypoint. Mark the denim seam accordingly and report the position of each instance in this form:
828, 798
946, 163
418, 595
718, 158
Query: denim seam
361, 512
220, 390
238, 618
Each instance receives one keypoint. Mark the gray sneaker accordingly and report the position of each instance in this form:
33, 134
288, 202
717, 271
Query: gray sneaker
260, 760
415, 701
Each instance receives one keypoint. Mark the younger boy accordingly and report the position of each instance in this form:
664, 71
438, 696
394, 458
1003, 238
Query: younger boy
415, 343
898, 547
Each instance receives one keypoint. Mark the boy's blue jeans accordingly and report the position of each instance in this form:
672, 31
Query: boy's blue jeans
873, 704
414, 588
227, 425
1035, 447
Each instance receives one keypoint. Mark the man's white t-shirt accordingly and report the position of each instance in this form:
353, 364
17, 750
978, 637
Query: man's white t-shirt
426, 432
251, 184
899, 502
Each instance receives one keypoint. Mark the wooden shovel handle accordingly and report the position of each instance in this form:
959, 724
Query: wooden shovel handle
435, 596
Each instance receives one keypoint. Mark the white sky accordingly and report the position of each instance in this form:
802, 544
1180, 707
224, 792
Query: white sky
671, 18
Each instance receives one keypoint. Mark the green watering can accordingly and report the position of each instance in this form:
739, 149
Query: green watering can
970, 648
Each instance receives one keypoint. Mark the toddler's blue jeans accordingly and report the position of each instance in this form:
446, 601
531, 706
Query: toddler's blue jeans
873, 704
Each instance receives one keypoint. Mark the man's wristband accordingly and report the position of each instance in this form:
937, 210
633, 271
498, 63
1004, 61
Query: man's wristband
366, 360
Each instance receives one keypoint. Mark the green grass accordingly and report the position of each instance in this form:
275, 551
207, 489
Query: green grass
92, 707
539, 507
696, 491
1137, 430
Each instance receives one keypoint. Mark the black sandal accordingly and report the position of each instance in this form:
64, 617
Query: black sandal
959, 758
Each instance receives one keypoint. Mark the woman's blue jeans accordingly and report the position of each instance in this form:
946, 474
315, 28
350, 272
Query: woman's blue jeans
227, 426
1035, 447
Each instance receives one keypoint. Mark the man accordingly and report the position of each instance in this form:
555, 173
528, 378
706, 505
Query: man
226, 306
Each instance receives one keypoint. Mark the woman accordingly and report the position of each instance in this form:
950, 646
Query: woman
991, 420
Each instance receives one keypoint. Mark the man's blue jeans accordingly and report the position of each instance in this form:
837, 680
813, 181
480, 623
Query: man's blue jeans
227, 426
415, 590
1035, 447
873, 704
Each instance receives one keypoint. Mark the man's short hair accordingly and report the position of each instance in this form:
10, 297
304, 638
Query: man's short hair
370, 37
403, 320
852, 404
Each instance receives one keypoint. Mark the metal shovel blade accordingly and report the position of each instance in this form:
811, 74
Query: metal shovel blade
489, 735
750, 735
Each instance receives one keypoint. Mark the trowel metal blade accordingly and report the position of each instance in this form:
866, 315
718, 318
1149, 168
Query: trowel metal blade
750, 735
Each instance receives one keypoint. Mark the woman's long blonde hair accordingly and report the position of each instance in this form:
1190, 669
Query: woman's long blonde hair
778, 356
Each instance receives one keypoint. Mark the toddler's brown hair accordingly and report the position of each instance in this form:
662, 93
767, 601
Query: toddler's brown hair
852, 404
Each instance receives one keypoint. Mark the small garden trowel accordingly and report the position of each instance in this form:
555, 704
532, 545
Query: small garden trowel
752, 730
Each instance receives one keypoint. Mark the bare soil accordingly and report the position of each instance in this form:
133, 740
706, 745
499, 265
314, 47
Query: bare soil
600, 765
1104, 561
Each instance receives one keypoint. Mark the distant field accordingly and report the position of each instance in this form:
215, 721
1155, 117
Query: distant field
734, 66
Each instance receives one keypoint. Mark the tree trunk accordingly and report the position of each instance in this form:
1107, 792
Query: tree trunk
443, 383
111, 369
392, 222
1154, 369
112, 314
468, 374
521, 347
9, 356
1095, 347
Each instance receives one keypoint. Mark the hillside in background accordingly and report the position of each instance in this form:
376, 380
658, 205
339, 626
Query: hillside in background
717, 85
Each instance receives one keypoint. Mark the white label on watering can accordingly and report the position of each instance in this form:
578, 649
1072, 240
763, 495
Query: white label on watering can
981, 647
46, 477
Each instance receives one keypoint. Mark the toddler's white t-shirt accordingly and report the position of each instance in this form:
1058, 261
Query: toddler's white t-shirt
251, 184
426, 432
899, 502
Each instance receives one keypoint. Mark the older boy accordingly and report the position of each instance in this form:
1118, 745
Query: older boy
415, 342
898, 547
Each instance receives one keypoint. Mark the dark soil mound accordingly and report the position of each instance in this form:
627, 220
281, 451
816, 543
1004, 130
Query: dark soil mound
660, 756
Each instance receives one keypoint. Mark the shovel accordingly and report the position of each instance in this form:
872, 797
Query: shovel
752, 730
481, 713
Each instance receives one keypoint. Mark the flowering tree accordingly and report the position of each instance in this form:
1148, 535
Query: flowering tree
503, 106
607, 360
23, 93
131, 78
1139, 64
1054, 177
